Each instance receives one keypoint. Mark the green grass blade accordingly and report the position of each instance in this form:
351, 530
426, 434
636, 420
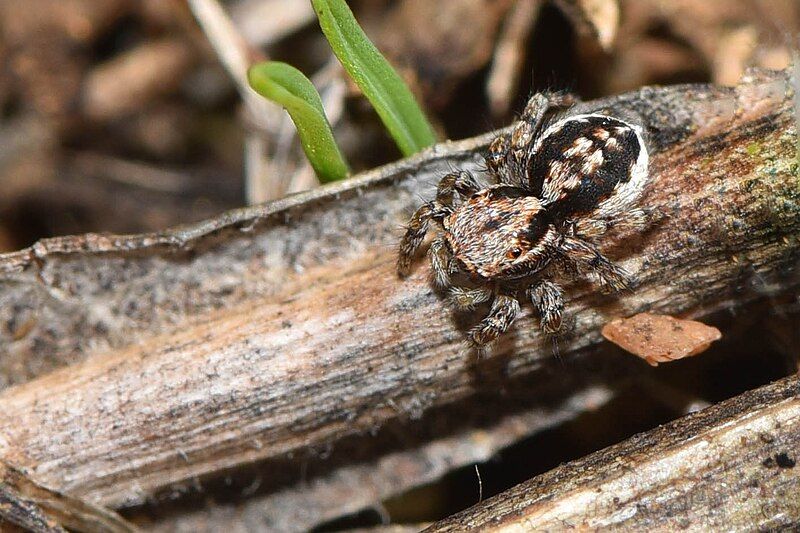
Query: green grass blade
379, 82
288, 87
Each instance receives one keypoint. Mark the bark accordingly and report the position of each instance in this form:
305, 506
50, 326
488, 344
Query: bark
271, 331
732, 466
352, 477
27, 504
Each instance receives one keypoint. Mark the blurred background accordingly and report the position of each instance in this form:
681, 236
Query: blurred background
119, 116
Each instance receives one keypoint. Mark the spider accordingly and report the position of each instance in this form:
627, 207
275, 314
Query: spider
561, 181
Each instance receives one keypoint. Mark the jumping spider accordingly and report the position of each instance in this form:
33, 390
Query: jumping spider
562, 180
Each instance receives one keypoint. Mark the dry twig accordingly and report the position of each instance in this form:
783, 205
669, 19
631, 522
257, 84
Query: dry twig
732, 466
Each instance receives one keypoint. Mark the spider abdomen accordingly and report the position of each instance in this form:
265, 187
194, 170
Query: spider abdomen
588, 164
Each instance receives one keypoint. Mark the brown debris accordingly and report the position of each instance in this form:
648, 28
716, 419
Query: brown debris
442, 42
93, 74
596, 18
432, 447
509, 55
36, 508
132, 80
729, 467
660, 338
728, 36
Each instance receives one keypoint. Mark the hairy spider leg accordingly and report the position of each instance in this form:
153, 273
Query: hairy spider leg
502, 314
415, 234
440, 262
634, 219
541, 103
465, 299
586, 256
495, 159
548, 298
461, 183
508, 153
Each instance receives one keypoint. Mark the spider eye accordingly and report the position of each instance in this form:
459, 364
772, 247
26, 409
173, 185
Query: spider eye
514, 253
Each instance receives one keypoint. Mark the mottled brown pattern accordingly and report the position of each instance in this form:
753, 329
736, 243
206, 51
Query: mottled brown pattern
489, 233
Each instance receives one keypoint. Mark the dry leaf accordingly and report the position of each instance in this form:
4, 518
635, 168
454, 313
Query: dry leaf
660, 338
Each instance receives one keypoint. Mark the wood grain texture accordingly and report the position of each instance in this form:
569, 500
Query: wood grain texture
27, 504
351, 477
730, 467
280, 328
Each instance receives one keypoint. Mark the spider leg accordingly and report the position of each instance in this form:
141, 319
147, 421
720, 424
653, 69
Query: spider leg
415, 233
590, 228
532, 118
440, 262
541, 103
461, 183
497, 159
516, 147
502, 314
635, 219
586, 256
466, 299
548, 298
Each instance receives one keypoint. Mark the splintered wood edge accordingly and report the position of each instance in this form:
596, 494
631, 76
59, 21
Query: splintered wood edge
246, 218
731, 466
28, 504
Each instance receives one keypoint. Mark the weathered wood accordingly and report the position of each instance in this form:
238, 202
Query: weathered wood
732, 466
278, 328
349, 478
23, 513
28, 504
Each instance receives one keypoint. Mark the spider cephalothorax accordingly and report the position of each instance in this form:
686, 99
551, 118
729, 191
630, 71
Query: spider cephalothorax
498, 233
559, 187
